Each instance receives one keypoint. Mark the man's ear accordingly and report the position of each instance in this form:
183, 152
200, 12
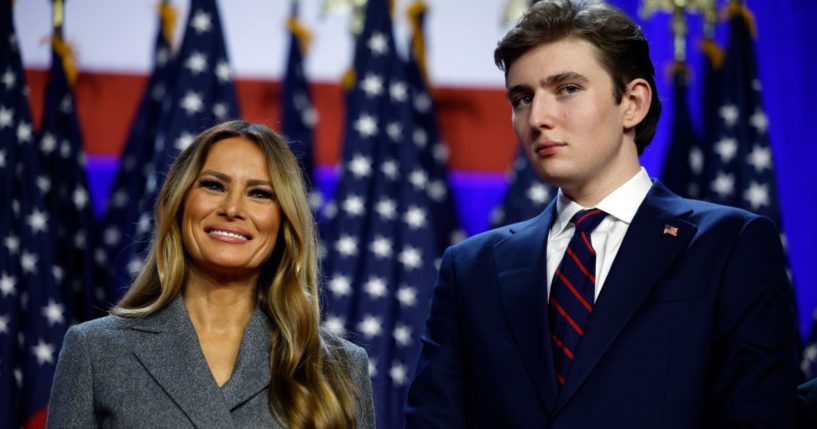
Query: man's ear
636, 102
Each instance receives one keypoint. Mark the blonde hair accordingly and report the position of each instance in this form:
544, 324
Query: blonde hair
310, 387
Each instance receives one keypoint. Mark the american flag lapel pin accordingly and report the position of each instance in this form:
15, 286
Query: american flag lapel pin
671, 230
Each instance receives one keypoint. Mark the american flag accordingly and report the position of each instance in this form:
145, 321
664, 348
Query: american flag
526, 196
426, 135
298, 116
65, 186
200, 94
32, 313
683, 162
380, 240
117, 226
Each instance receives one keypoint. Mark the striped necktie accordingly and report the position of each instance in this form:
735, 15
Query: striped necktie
572, 292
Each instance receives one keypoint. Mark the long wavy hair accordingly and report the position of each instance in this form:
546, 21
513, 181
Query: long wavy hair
310, 386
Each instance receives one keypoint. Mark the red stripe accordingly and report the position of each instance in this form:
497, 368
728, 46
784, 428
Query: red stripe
567, 317
560, 379
562, 346
587, 242
574, 291
581, 266
590, 213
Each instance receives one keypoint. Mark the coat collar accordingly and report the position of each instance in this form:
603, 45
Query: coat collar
169, 350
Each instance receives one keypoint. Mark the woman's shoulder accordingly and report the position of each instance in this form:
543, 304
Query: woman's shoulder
106, 326
336, 345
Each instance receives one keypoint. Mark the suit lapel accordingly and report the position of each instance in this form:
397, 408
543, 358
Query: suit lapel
169, 350
520, 263
251, 373
644, 255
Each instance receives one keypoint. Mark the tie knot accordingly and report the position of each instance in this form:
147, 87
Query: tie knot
588, 220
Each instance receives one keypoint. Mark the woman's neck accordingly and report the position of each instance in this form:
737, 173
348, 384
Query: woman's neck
219, 305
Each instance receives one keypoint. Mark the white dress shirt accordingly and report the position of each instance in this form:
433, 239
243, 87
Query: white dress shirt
620, 206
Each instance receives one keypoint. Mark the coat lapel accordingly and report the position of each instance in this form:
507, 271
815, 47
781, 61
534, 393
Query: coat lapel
520, 263
644, 255
169, 350
251, 374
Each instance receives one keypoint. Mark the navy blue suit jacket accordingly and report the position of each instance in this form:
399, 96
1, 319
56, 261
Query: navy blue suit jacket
692, 329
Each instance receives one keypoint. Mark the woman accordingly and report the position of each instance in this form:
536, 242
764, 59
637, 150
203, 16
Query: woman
221, 327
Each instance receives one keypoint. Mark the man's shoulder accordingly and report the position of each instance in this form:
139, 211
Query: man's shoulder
493, 236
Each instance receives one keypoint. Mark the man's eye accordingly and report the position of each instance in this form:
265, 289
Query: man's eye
211, 185
569, 89
522, 100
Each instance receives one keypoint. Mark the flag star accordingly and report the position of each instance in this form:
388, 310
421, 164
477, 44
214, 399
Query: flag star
415, 217
120, 198
378, 44
8, 78
729, 113
192, 103
375, 287
389, 169
53, 313
309, 116
143, 224
38, 221
196, 62
43, 184
184, 141
223, 72
696, 160
80, 198
360, 166
407, 296
372, 85
759, 121
723, 185
65, 148
162, 55
7, 284
441, 153
537, 193
354, 205
29, 262
23, 132
756, 84
398, 91
111, 236
220, 110
381, 247
158, 92
370, 326
757, 195
422, 102
809, 356
335, 325
340, 286
48, 143
100, 257
80, 240
2, 158
437, 190
18, 377
66, 104
6, 117
135, 266
12, 243
57, 273
394, 130
418, 178
420, 138
402, 335
760, 158
201, 22
4, 325
410, 257
726, 148
386, 208
398, 374
366, 125
44, 352
346, 245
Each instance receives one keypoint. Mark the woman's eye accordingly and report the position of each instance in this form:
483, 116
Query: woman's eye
211, 185
262, 193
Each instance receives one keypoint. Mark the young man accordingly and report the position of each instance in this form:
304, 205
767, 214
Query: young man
622, 304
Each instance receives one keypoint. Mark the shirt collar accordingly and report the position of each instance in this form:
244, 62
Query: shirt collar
621, 203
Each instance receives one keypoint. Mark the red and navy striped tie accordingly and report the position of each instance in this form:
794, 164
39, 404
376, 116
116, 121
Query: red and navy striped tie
572, 292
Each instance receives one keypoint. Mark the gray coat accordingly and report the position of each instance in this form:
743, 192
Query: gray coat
151, 373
